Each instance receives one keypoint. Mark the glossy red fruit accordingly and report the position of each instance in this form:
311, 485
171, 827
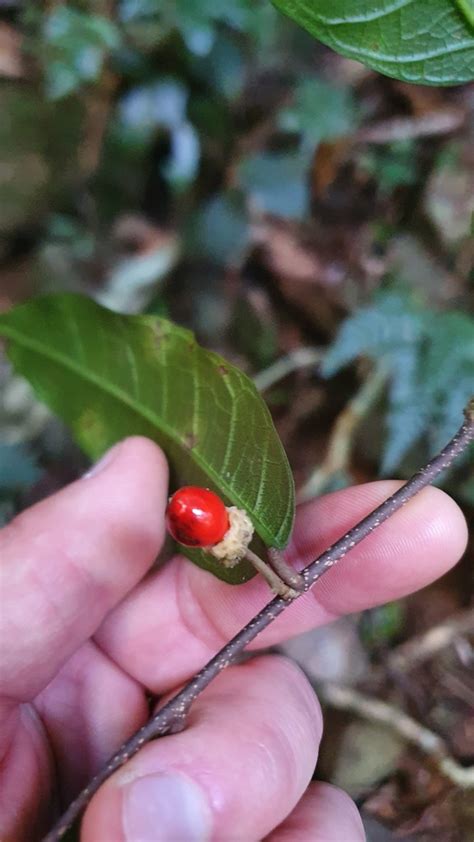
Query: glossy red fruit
196, 517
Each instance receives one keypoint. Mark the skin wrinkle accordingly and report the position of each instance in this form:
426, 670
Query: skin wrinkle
48, 603
284, 763
110, 658
129, 686
60, 609
38, 756
64, 720
69, 687
10, 723
66, 705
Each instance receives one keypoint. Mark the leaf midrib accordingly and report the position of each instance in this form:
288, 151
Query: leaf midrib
118, 394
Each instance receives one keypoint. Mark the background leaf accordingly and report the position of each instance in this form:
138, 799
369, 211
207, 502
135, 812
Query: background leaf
109, 376
75, 46
18, 467
430, 360
425, 41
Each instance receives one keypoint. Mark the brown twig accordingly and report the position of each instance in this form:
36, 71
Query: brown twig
172, 715
441, 122
376, 710
424, 646
295, 360
98, 103
340, 443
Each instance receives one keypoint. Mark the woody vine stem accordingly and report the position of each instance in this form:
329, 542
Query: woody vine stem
172, 716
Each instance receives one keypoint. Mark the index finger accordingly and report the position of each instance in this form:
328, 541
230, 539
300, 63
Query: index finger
180, 617
72, 557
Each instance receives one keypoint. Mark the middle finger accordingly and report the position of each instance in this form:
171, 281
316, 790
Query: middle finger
180, 617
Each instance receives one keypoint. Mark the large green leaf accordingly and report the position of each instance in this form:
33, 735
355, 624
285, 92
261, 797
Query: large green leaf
430, 42
109, 376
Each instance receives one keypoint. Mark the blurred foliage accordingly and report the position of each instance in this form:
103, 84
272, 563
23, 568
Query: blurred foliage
392, 166
18, 468
430, 360
320, 111
74, 45
382, 625
148, 150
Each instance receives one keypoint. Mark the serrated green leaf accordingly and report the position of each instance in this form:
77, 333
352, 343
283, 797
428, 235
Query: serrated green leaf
429, 42
109, 376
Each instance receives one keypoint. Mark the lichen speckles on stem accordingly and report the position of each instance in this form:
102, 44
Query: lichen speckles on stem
164, 721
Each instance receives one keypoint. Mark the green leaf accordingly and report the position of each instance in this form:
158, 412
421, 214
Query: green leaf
75, 46
430, 360
381, 625
109, 376
467, 9
276, 182
320, 111
429, 42
220, 228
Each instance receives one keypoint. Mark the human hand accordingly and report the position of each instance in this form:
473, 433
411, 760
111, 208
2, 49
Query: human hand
85, 637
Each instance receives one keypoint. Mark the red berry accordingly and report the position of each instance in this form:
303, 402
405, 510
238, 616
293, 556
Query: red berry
196, 517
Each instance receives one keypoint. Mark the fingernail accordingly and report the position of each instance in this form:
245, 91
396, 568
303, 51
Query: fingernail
165, 808
103, 462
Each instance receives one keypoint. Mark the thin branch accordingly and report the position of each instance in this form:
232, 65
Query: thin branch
339, 448
172, 715
441, 122
300, 358
425, 646
375, 710
422, 647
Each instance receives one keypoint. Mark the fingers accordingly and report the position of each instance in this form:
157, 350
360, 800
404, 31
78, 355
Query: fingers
68, 560
26, 791
324, 814
89, 709
188, 615
237, 770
